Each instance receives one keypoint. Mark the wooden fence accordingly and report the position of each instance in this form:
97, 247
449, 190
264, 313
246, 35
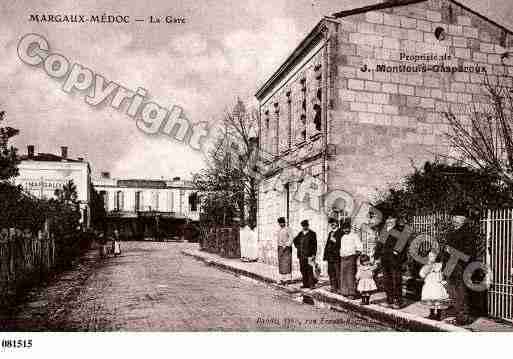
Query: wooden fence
223, 241
25, 259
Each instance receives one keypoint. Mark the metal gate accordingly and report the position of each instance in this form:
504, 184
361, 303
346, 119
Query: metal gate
498, 227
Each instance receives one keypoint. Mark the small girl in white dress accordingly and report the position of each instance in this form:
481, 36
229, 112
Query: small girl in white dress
434, 293
365, 278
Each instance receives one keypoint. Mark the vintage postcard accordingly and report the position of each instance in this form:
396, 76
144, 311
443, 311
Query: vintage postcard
262, 166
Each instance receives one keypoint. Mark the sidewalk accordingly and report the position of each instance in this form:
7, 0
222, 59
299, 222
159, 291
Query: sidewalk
256, 270
411, 317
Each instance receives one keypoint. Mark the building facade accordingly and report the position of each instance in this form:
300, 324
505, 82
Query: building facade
41, 174
148, 209
364, 95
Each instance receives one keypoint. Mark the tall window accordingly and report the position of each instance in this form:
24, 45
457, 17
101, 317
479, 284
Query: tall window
138, 201
289, 119
119, 201
155, 201
275, 130
171, 199
267, 129
302, 111
317, 116
193, 202
105, 198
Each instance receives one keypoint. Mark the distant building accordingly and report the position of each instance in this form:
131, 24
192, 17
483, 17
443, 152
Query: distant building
42, 173
148, 209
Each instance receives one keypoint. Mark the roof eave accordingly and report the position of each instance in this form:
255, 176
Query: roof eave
291, 58
379, 6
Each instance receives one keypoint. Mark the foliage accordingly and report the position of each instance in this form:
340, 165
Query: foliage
438, 188
481, 133
227, 188
20, 210
64, 210
8, 158
23, 211
67, 194
98, 212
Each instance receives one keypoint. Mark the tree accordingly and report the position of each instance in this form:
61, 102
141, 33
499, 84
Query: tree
98, 212
482, 133
227, 187
8, 159
64, 210
67, 194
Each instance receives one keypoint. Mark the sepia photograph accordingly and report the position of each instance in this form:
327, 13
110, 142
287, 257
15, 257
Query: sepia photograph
271, 167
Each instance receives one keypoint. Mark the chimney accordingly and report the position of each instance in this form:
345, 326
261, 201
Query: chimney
30, 152
106, 175
64, 152
176, 178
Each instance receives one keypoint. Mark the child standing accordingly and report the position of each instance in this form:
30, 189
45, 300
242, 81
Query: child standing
365, 278
434, 293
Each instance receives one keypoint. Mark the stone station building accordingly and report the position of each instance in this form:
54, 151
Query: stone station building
352, 106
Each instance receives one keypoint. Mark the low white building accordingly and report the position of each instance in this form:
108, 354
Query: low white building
41, 174
145, 208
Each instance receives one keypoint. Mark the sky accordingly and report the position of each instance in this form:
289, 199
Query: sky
225, 50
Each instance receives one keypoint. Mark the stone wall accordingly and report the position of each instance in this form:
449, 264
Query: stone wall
291, 130
271, 206
382, 121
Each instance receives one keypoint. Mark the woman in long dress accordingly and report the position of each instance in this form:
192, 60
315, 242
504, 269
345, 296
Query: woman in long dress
284, 241
350, 249
116, 248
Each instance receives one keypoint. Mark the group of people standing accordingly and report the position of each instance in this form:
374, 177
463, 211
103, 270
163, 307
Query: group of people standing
104, 247
352, 273
306, 244
342, 250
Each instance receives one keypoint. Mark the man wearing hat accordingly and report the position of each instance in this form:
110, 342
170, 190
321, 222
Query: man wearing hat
332, 254
306, 245
391, 251
462, 239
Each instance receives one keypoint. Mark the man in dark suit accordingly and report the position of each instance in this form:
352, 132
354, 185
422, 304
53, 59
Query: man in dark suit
332, 254
391, 250
306, 244
463, 239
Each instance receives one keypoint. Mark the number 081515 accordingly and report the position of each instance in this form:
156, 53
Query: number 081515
16, 343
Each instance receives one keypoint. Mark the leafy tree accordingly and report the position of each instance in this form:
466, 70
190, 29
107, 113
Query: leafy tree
64, 210
227, 188
8, 159
98, 213
67, 194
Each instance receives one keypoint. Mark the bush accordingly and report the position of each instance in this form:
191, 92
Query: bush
438, 188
